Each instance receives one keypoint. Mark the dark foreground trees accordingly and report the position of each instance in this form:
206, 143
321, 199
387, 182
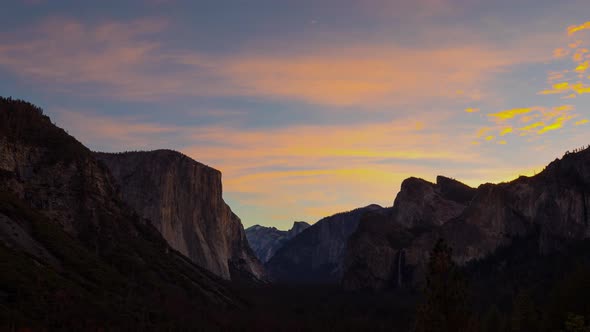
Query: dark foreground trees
445, 304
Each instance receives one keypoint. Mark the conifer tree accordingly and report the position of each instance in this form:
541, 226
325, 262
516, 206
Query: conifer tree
445, 304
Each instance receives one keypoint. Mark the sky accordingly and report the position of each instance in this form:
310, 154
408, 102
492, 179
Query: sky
311, 107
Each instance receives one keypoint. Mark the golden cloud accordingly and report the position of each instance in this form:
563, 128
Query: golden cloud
558, 124
509, 114
506, 131
581, 68
575, 28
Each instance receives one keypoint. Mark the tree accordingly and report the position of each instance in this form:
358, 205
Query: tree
493, 320
524, 314
576, 323
445, 304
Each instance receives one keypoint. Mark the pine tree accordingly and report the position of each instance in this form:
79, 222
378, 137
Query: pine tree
493, 320
445, 305
524, 315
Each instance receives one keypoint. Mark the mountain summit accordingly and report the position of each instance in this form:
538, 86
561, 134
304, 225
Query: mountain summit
265, 241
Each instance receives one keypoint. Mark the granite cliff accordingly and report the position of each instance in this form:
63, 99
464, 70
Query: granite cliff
265, 241
183, 200
550, 207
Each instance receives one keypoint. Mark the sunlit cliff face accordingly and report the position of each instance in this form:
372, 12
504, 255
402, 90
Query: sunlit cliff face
312, 107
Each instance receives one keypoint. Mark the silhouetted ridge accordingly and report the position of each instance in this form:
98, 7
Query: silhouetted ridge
62, 218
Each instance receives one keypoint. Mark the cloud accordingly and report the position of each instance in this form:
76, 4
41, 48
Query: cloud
576, 28
556, 116
506, 131
283, 167
131, 61
472, 110
509, 114
112, 134
560, 53
581, 68
558, 124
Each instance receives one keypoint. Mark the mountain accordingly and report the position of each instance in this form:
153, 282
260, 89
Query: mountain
550, 207
183, 200
73, 255
317, 254
265, 241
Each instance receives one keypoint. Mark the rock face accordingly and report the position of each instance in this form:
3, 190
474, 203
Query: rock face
60, 206
551, 207
265, 241
317, 254
379, 247
183, 200
423, 204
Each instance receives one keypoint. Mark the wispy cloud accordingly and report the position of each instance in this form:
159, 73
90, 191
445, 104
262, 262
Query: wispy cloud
129, 61
293, 162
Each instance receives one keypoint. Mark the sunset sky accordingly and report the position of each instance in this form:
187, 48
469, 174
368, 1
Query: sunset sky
311, 107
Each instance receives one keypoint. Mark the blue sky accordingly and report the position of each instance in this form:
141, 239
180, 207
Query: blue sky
311, 107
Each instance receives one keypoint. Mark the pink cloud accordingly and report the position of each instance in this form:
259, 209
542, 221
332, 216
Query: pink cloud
128, 61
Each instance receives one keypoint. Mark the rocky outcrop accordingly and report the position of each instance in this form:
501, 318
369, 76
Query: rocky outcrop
317, 254
423, 204
183, 200
377, 252
63, 219
551, 207
265, 241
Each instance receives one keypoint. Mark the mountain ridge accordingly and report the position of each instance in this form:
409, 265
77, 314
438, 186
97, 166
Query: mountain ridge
265, 241
552, 204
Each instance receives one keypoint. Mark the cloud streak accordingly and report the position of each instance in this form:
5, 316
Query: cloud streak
128, 61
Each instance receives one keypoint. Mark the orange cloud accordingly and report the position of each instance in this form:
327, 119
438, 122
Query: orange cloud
124, 60
575, 28
366, 73
472, 110
560, 53
581, 122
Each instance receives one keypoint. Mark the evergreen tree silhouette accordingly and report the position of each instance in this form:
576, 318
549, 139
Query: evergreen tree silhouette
445, 304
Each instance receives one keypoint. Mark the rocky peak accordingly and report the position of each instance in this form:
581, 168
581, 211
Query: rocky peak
265, 241
421, 203
298, 227
454, 190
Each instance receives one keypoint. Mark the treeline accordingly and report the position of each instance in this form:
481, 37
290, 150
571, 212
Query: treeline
24, 123
507, 294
